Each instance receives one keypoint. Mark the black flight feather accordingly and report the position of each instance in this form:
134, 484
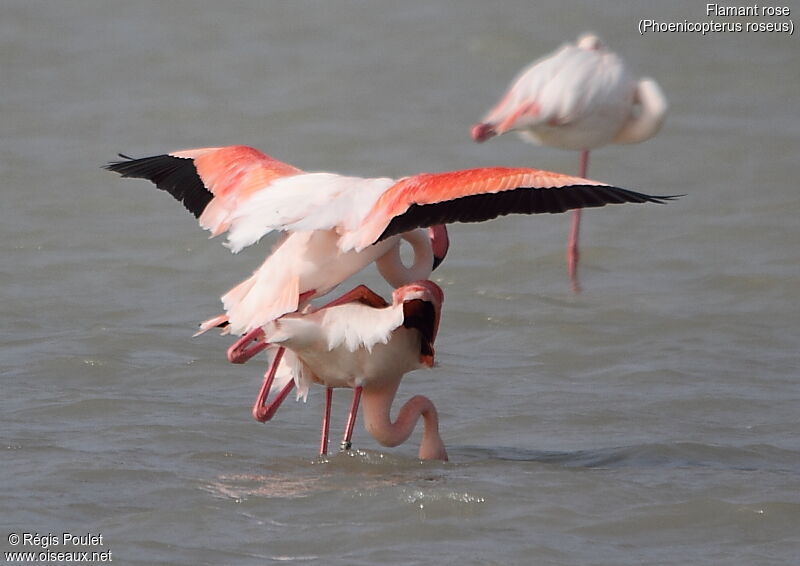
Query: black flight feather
522, 200
176, 175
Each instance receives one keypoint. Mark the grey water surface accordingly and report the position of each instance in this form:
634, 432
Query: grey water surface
652, 419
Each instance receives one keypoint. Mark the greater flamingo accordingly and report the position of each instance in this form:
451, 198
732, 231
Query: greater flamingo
361, 342
336, 225
581, 97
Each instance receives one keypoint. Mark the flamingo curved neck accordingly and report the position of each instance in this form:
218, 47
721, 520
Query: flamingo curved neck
391, 266
652, 107
377, 405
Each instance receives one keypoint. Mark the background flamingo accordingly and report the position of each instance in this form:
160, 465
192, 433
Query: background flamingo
358, 341
581, 97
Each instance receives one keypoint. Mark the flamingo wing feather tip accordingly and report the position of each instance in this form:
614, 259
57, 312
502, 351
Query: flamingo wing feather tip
175, 175
664, 199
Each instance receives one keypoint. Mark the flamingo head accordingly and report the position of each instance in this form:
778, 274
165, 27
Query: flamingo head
422, 306
440, 243
590, 42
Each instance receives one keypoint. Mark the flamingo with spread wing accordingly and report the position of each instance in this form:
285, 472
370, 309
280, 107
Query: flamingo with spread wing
240, 188
336, 225
333, 226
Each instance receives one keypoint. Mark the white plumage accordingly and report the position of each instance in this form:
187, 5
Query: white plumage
302, 203
580, 97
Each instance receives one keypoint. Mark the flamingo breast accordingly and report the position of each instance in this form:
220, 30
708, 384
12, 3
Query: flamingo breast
350, 345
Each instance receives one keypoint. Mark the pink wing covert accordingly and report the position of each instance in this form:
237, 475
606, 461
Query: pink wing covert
450, 190
232, 174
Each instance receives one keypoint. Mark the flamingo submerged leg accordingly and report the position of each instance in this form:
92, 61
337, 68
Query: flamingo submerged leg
574, 233
326, 422
351, 419
263, 412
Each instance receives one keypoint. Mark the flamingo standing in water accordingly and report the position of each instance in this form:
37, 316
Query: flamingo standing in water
361, 342
581, 97
335, 225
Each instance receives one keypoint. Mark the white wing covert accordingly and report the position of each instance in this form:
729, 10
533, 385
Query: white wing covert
305, 202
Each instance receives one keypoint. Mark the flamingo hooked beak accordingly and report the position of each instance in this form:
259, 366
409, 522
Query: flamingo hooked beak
440, 243
482, 132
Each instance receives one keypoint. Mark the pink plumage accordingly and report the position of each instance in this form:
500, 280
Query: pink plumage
335, 225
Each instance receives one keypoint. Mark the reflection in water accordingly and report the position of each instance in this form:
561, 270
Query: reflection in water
360, 473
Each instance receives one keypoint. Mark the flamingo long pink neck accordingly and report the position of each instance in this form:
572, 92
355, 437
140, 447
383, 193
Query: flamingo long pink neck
377, 405
391, 266
652, 109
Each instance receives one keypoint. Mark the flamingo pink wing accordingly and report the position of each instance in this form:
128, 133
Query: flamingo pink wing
210, 182
476, 195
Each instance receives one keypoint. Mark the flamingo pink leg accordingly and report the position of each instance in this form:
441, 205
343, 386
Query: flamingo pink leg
351, 419
574, 233
326, 422
261, 412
